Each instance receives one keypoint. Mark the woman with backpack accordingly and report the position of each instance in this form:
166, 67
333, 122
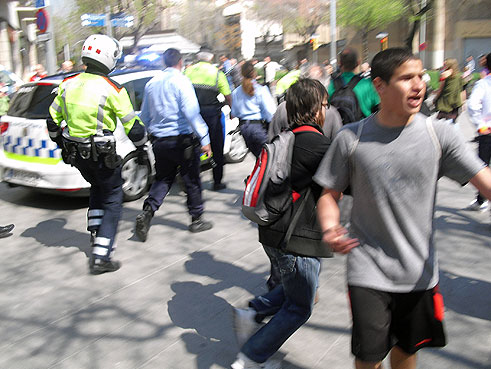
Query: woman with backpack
254, 106
291, 302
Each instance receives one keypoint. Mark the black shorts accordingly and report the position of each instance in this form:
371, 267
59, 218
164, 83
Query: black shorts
382, 320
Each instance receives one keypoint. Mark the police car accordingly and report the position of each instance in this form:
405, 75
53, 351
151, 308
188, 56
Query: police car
29, 158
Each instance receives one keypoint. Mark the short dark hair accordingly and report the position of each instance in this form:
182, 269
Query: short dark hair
172, 57
387, 61
304, 101
348, 59
488, 61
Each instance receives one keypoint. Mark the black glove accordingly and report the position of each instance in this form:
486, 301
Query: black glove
142, 156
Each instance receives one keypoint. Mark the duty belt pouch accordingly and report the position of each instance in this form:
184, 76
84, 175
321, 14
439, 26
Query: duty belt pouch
69, 152
108, 151
84, 150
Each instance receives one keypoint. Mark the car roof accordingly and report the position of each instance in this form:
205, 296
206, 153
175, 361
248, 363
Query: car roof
120, 76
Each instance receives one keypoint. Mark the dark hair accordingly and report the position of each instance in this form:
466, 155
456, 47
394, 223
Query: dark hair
348, 59
172, 57
304, 101
249, 73
488, 61
387, 61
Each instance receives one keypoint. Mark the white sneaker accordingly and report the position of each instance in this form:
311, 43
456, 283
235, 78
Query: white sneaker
245, 324
243, 362
474, 205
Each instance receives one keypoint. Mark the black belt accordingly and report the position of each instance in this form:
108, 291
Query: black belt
244, 121
169, 138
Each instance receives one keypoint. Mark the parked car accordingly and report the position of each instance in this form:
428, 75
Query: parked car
29, 158
10, 81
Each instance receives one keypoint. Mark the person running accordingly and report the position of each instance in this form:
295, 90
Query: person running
178, 133
479, 106
254, 106
291, 302
392, 161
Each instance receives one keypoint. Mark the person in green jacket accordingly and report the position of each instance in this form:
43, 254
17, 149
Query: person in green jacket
449, 96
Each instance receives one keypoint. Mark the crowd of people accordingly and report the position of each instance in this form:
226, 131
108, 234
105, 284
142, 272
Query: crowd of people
388, 159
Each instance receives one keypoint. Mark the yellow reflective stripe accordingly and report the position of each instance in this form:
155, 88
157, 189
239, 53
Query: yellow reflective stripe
31, 159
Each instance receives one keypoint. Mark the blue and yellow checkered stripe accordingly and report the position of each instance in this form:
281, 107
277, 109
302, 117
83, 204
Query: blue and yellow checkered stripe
31, 149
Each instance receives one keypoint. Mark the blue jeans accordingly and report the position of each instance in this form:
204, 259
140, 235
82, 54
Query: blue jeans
290, 303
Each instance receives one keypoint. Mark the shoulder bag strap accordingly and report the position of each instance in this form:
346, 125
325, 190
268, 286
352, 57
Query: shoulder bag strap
295, 218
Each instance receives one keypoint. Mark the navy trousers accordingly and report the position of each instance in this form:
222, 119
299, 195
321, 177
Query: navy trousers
213, 118
485, 155
255, 136
105, 204
169, 159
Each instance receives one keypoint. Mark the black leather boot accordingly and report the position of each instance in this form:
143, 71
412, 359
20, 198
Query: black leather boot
143, 223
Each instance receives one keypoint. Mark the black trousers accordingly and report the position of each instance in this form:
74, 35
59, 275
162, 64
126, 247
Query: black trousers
213, 118
105, 203
484, 153
169, 159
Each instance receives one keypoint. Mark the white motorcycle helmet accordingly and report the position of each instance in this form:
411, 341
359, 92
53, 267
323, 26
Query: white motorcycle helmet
102, 49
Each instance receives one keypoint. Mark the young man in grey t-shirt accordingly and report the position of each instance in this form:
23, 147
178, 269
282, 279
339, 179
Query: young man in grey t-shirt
393, 171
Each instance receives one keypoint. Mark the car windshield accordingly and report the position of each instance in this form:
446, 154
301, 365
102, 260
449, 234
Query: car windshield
33, 101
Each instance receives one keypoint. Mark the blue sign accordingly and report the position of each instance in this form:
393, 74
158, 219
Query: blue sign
99, 20
93, 20
40, 4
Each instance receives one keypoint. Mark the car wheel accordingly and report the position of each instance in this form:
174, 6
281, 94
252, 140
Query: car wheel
238, 149
136, 178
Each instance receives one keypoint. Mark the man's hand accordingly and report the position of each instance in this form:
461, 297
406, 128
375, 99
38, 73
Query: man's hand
336, 238
142, 157
206, 150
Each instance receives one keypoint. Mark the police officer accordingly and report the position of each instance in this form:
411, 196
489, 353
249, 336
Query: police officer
178, 133
209, 83
89, 103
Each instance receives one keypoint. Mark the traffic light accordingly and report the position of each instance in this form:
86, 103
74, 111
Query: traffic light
384, 43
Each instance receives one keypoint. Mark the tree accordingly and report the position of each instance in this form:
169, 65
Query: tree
368, 15
296, 16
416, 12
146, 14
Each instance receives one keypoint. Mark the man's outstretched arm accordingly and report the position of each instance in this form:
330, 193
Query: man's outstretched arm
482, 181
333, 233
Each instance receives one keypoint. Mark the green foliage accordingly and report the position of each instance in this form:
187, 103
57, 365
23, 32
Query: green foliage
369, 15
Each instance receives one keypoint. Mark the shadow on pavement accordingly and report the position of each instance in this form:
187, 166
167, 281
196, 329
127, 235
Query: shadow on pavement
467, 296
52, 233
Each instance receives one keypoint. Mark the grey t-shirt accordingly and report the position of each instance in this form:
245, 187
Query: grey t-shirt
393, 175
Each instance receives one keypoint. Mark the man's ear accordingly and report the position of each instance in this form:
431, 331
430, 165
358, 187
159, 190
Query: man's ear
379, 84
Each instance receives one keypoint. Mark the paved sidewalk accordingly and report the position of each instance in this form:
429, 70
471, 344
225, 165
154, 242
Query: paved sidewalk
169, 307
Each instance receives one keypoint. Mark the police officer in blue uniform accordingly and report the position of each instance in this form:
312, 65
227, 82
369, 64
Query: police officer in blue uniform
89, 103
178, 133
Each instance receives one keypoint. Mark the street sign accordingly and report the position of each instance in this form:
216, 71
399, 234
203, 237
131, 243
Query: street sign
99, 20
42, 20
41, 3
127, 21
43, 37
93, 20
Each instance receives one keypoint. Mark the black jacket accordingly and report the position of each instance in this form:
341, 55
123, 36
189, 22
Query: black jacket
308, 150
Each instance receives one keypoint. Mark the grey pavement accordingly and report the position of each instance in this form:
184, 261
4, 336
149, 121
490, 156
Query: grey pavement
169, 306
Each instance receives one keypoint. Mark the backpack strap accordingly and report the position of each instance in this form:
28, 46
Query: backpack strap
357, 140
353, 82
434, 137
294, 220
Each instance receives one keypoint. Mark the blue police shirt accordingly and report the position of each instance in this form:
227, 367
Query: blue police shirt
261, 106
170, 107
